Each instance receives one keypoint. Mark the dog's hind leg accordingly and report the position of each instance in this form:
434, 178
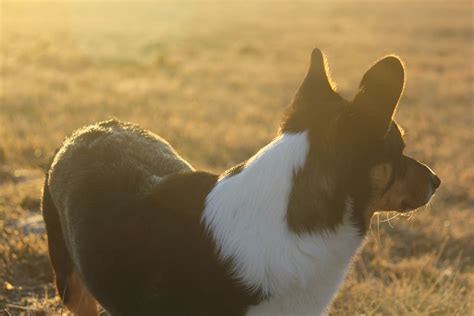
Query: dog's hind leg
69, 284
78, 299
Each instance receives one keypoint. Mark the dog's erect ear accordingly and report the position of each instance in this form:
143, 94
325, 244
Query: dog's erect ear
379, 92
318, 74
313, 98
317, 84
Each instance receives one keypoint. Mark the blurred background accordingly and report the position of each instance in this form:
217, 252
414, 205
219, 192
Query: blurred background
213, 78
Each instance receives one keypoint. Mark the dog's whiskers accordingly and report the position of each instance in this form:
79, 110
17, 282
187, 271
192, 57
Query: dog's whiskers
389, 219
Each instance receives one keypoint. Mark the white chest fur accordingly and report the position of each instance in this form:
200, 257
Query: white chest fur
246, 214
328, 256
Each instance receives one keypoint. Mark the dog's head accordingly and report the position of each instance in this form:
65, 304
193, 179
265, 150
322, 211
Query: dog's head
356, 147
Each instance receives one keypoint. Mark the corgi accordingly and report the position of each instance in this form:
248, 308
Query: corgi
133, 227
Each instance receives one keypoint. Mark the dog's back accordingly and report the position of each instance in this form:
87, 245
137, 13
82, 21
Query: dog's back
100, 171
112, 148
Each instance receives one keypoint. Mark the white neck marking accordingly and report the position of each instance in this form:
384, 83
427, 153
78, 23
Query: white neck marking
246, 215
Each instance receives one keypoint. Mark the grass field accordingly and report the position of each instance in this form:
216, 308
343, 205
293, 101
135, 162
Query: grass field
213, 79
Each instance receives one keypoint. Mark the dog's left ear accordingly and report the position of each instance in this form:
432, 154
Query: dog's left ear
317, 85
379, 92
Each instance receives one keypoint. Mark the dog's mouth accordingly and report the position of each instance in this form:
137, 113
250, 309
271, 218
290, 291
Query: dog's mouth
407, 205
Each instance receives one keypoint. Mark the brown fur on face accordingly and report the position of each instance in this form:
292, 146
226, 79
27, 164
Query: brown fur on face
402, 190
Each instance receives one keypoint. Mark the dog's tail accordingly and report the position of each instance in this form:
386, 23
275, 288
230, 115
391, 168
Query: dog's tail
70, 286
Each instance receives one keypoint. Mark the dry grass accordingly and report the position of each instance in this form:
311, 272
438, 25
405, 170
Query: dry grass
213, 79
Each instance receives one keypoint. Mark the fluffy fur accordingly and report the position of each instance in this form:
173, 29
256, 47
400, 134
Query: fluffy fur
324, 259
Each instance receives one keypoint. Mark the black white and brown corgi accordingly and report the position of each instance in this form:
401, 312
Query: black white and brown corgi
132, 226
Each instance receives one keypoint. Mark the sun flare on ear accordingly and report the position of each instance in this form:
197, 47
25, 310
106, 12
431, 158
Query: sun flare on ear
327, 70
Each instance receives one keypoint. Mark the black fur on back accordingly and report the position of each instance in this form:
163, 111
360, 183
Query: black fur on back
146, 255
131, 226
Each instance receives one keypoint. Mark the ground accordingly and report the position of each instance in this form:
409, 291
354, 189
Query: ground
214, 79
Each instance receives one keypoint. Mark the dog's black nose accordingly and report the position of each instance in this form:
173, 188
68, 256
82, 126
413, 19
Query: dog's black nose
436, 181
